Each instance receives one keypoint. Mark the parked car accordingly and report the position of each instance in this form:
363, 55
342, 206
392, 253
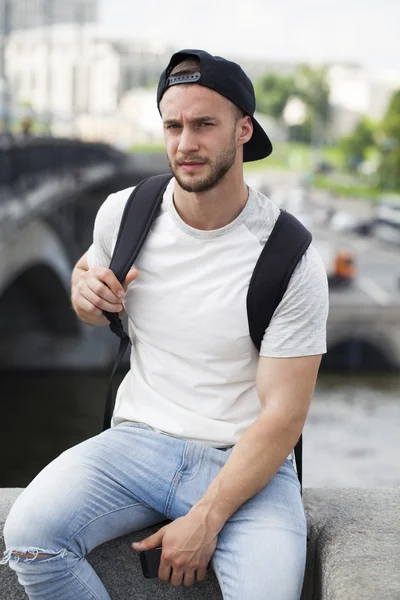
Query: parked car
344, 222
322, 167
386, 225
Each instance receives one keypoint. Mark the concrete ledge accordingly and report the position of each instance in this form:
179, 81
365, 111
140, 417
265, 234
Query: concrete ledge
353, 552
354, 543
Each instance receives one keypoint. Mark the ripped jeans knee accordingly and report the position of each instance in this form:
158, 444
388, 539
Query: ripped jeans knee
19, 546
30, 555
25, 542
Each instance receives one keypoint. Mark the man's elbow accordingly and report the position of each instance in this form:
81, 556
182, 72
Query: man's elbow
289, 421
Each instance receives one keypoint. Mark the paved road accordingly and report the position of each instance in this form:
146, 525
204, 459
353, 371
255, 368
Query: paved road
378, 269
378, 264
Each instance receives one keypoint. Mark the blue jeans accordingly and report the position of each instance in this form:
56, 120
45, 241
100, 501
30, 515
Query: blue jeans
130, 477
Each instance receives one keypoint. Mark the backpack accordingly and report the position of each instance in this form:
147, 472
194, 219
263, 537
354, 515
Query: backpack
283, 250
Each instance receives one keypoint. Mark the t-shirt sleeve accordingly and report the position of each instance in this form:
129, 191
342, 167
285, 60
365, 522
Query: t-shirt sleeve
106, 228
298, 325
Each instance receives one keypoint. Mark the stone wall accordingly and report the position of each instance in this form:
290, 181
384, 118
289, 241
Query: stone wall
353, 552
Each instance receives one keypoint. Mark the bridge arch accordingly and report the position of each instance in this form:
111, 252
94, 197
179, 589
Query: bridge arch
34, 289
360, 353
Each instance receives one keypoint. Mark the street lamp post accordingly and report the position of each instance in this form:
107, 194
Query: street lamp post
5, 26
48, 22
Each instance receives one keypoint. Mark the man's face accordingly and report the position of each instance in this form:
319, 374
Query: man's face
200, 135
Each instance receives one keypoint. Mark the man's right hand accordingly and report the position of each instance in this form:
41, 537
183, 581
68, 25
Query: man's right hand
96, 289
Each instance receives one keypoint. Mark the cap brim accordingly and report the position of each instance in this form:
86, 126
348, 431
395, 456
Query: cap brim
259, 146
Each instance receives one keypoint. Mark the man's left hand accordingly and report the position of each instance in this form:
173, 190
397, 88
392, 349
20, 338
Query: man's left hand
188, 544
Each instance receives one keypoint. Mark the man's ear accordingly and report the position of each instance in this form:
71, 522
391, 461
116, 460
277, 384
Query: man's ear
246, 129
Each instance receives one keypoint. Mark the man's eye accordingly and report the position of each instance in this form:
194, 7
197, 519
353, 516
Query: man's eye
173, 126
208, 124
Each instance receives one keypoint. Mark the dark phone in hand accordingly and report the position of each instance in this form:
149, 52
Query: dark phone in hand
150, 561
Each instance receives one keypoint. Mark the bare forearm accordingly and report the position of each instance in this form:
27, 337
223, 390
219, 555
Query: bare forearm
252, 464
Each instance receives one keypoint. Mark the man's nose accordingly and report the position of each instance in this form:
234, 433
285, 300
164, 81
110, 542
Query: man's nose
188, 142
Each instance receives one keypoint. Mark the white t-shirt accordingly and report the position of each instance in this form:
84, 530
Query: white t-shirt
193, 364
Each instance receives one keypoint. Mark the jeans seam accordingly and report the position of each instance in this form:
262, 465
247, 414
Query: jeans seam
83, 585
220, 578
174, 484
104, 515
200, 459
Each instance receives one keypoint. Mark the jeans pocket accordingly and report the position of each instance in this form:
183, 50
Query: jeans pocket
135, 424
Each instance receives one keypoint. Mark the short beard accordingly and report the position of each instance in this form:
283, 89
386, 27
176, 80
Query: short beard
223, 163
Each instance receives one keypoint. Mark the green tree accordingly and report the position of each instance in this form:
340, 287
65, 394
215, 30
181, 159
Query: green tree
301, 133
272, 93
313, 88
356, 145
389, 171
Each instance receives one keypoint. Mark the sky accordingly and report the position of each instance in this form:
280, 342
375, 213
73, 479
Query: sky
362, 31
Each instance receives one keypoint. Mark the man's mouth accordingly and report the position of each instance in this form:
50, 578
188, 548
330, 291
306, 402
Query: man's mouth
189, 165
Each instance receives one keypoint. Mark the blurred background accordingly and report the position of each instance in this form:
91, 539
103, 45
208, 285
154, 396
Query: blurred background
78, 120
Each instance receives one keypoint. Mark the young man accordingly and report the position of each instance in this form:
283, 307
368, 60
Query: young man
203, 424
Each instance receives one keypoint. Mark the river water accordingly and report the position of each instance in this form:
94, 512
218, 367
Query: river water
351, 438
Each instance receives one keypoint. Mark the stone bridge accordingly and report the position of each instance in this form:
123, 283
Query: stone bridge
363, 337
50, 191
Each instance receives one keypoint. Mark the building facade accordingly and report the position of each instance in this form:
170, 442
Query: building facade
25, 14
357, 92
70, 70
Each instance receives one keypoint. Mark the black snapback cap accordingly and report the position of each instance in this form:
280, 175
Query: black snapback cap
228, 79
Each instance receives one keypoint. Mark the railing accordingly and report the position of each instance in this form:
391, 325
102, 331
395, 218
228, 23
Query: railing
29, 158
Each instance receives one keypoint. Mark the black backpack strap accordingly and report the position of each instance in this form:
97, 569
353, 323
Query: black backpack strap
281, 254
140, 211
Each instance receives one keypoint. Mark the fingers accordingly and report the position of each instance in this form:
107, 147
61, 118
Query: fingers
177, 572
201, 573
97, 289
101, 289
177, 576
165, 570
108, 278
189, 577
89, 308
101, 304
131, 276
164, 573
150, 542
